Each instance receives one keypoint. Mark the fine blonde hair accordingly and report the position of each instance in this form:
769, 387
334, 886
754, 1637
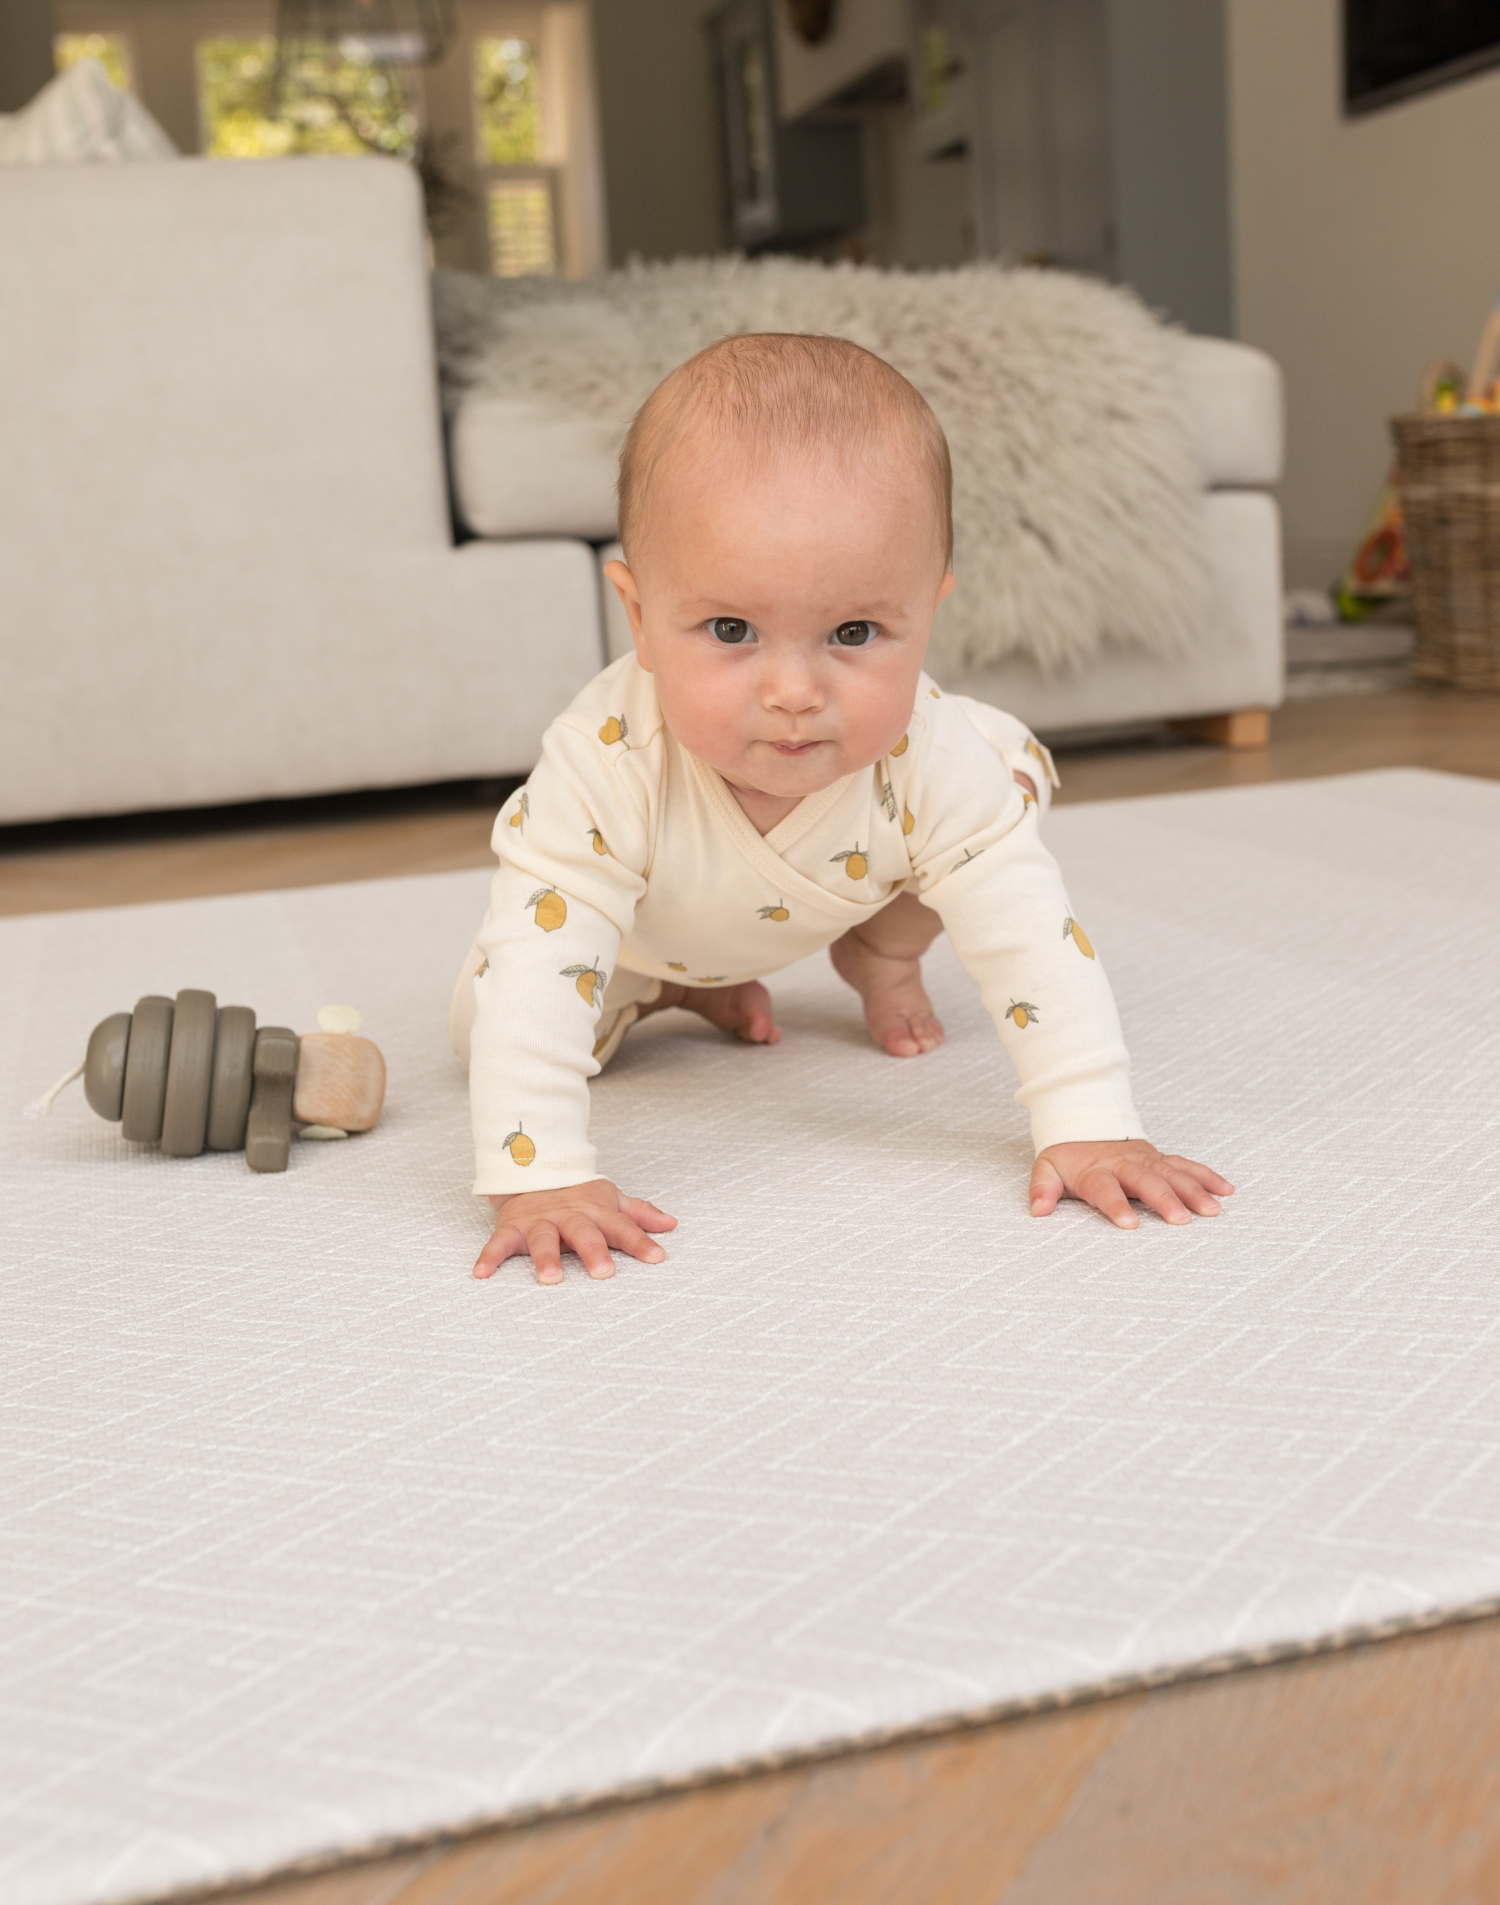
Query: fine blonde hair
783, 394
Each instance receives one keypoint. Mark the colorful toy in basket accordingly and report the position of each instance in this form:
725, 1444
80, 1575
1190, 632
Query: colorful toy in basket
192, 1075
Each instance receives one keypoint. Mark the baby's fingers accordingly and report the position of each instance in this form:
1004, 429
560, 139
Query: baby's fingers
646, 1215
1104, 1190
506, 1241
586, 1240
624, 1234
1046, 1188
1201, 1174
1191, 1190
1150, 1187
544, 1247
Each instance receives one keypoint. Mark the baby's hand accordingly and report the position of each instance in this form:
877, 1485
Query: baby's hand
588, 1219
1107, 1173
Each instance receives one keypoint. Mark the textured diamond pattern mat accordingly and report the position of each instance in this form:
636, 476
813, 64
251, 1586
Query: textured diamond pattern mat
310, 1542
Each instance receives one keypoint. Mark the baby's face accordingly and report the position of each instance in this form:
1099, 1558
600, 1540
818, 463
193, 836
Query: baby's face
785, 615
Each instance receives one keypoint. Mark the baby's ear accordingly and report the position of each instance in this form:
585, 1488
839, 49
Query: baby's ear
630, 597
945, 588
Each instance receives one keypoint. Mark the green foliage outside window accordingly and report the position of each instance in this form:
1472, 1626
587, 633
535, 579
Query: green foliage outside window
332, 100
108, 48
507, 103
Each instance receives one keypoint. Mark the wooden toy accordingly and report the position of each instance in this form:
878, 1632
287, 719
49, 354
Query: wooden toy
192, 1075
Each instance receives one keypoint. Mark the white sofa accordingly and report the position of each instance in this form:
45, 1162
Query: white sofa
227, 567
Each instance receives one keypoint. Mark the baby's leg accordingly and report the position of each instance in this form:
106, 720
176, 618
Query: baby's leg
744, 1009
882, 960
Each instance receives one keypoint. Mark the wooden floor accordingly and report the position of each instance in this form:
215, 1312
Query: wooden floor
1367, 1776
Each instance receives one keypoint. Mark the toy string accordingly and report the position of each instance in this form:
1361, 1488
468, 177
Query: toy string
42, 1107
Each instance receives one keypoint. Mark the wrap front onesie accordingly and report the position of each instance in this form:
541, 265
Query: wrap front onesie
626, 864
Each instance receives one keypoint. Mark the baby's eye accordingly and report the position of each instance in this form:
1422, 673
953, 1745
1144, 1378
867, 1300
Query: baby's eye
854, 634
729, 628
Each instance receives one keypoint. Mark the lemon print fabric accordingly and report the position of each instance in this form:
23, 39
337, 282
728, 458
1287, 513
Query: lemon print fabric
523, 812
522, 1150
853, 862
675, 965
589, 980
900, 748
908, 819
778, 912
1023, 1012
551, 908
615, 729
482, 970
888, 800
1072, 930
597, 839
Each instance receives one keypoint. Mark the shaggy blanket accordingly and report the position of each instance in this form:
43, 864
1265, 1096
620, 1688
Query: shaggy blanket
1077, 501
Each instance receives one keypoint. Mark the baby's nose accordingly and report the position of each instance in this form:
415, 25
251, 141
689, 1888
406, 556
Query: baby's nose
792, 690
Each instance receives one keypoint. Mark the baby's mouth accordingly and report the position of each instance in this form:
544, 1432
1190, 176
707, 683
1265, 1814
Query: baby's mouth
794, 747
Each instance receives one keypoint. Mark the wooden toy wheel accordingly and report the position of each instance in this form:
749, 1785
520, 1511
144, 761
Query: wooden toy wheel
233, 1075
144, 1097
104, 1065
189, 1071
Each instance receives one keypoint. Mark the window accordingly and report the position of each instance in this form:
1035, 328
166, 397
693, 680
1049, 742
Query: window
521, 227
110, 49
507, 111
520, 187
334, 99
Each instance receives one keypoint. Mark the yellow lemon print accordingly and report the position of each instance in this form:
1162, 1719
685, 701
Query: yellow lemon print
908, 820
675, 965
589, 981
483, 970
523, 812
1022, 1013
934, 693
598, 840
854, 862
551, 908
710, 978
778, 912
1079, 937
520, 1147
615, 729
900, 748
1033, 750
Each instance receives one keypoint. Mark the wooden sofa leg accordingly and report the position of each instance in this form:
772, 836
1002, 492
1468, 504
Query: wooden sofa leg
1241, 727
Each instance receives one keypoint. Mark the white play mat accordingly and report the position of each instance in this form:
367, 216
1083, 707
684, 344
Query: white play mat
311, 1543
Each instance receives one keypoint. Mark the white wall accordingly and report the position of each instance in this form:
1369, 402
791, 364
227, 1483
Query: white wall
1363, 248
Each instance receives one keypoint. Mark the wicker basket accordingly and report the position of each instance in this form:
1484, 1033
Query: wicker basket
1450, 498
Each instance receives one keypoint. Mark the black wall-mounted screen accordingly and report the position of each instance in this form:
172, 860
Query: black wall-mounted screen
1393, 48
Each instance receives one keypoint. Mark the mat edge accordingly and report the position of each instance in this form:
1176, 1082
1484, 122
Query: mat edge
964, 1720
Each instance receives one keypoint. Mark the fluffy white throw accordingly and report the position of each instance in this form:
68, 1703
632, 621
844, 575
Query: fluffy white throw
1077, 502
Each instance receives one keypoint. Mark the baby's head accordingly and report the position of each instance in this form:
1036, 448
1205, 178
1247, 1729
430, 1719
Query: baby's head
786, 513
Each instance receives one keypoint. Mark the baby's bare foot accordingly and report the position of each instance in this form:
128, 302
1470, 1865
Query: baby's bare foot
897, 1008
744, 1010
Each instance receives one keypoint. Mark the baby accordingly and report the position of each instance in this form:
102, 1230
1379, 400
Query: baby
771, 773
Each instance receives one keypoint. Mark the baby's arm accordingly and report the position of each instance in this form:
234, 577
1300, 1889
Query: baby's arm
570, 847
982, 867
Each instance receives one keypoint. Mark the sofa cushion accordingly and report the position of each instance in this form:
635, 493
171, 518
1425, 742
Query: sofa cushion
1233, 397
522, 469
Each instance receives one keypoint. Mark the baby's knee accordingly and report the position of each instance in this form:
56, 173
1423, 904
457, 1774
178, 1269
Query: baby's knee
903, 929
